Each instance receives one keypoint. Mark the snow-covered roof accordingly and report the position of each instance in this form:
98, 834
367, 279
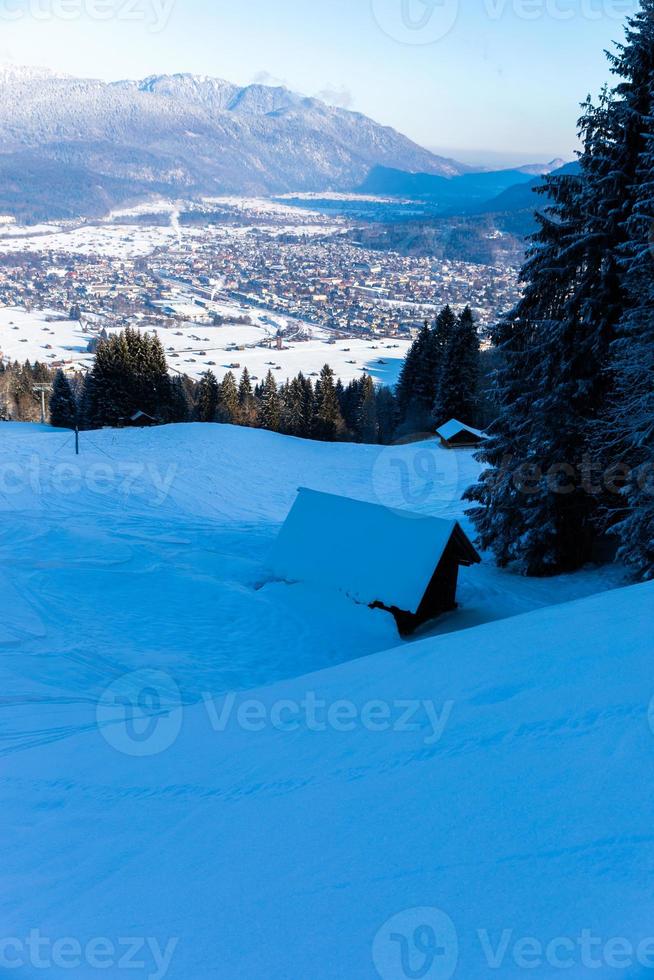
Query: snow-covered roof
371, 553
454, 427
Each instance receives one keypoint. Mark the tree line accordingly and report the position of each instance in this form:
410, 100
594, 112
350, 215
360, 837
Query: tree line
571, 458
130, 376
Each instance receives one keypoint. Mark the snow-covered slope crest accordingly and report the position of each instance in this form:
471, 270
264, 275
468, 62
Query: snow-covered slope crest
483, 799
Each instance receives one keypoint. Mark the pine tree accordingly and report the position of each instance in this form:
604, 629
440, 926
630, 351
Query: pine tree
444, 328
207, 398
129, 375
442, 339
294, 420
457, 394
350, 403
228, 403
107, 398
328, 421
63, 405
386, 414
627, 434
418, 386
247, 409
558, 370
521, 517
270, 408
308, 400
417, 383
179, 407
367, 427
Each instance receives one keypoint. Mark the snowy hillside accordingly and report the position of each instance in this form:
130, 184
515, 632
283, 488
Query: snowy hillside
82, 141
295, 831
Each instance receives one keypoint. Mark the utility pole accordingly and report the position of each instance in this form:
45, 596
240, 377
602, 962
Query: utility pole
41, 390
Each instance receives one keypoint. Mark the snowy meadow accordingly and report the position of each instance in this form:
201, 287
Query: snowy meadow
200, 765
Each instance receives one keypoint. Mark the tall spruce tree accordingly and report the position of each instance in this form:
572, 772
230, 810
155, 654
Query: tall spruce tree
180, 401
386, 414
294, 419
228, 403
247, 409
367, 427
309, 401
417, 383
558, 370
270, 406
63, 404
328, 421
350, 403
548, 367
207, 398
457, 393
628, 430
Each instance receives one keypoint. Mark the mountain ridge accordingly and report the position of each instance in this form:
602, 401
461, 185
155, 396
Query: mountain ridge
189, 135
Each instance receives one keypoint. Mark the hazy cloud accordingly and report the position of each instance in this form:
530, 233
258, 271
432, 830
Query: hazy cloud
266, 78
339, 96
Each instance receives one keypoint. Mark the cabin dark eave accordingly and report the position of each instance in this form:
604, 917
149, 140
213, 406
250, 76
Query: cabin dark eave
468, 554
440, 595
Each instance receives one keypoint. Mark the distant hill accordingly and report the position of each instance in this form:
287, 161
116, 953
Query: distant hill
521, 196
453, 194
470, 225
538, 169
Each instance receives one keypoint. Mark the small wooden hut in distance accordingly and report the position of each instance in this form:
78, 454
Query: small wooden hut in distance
456, 435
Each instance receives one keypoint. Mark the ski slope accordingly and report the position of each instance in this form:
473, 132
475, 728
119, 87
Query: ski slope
255, 839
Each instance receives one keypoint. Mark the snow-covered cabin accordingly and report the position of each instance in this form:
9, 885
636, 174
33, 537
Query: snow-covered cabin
140, 420
405, 563
456, 435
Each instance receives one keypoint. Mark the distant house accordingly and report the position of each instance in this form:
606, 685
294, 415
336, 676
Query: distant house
405, 563
456, 435
139, 420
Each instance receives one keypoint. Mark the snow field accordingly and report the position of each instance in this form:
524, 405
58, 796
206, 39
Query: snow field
175, 769
194, 347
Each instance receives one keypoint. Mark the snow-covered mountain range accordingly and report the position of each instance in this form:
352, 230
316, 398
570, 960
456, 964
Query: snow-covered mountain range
83, 144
